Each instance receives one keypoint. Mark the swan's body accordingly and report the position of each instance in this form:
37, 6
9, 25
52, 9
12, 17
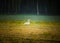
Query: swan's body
27, 22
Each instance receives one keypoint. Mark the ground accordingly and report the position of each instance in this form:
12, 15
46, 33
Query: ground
36, 32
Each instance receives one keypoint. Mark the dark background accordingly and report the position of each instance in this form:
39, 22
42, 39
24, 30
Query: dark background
14, 7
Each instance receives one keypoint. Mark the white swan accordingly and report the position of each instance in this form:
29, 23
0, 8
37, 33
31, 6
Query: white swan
27, 22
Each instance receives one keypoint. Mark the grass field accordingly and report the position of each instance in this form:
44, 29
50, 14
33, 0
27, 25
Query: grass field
43, 29
36, 32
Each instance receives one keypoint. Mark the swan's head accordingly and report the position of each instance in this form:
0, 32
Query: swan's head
28, 19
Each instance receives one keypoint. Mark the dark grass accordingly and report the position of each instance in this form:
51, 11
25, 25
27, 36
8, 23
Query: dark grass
22, 40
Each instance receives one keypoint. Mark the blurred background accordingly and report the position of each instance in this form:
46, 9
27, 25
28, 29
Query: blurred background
45, 7
44, 26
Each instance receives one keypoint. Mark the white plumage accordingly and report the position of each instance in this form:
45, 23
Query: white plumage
27, 22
